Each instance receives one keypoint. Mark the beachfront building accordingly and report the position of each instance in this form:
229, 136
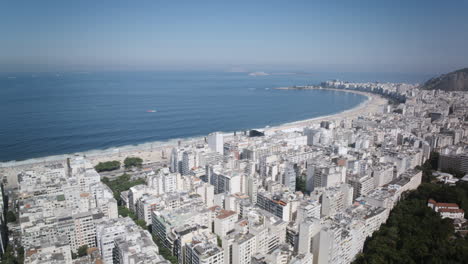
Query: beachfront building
215, 142
249, 190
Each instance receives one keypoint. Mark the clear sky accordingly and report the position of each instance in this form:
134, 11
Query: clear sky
419, 36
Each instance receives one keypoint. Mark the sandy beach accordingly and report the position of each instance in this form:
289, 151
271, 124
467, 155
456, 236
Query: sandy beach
373, 104
160, 151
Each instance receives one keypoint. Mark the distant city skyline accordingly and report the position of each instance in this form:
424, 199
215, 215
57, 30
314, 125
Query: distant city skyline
299, 36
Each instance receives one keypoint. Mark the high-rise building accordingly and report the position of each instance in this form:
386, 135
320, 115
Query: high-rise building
189, 162
3, 222
224, 222
85, 230
309, 235
289, 177
274, 205
203, 253
336, 199
136, 246
216, 142
228, 181
324, 176
362, 185
239, 248
106, 232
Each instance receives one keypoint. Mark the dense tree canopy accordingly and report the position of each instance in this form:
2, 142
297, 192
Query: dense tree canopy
414, 233
301, 183
133, 162
122, 183
108, 166
11, 217
9, 256
83, 250
166, 253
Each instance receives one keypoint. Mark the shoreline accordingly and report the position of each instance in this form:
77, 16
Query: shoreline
152, 152
371, 105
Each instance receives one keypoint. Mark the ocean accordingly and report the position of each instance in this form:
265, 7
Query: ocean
44, 114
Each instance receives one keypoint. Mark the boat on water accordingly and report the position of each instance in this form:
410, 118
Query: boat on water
151, 111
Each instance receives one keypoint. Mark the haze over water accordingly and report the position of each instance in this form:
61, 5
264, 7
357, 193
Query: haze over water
49, 114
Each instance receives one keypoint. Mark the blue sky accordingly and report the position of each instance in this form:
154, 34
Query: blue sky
349, 36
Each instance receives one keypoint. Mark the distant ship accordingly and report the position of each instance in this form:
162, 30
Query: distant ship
151, 111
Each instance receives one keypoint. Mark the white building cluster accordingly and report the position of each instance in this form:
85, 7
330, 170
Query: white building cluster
233, 199
63, 206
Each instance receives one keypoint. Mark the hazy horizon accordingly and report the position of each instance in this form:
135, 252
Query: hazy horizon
424, 37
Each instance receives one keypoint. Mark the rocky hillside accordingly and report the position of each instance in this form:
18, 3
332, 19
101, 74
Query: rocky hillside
454, 81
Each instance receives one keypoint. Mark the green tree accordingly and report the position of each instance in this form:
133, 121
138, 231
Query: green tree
414, 233
141, 223
11, 217
130, 162
83, 250
123, 211
9, 256
163, 251
122, 183
219, 241
108, 166
301, 183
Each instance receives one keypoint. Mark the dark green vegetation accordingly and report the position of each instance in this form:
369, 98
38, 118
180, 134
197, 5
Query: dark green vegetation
163, 251
301, 183
133, 162
414, 233
108, 166
454, 172
122, 183
429, 166
10, 258
123, 211
82, 251
219, 241
256, 133
12, 254
453, 81
11, 217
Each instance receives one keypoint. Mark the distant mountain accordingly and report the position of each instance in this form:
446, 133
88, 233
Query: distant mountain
454, 81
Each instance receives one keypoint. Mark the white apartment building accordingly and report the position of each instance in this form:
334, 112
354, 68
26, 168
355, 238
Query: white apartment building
206, 191
289, 177
136, 246
146, 205
203, 253
216, 142
362, 185
189, 162
224, 222
106, 232
324, 176
228, 181
308, 208
336, 199
164, 181
239, 248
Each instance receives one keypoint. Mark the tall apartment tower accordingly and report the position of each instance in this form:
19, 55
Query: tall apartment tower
216, 142
289, 177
